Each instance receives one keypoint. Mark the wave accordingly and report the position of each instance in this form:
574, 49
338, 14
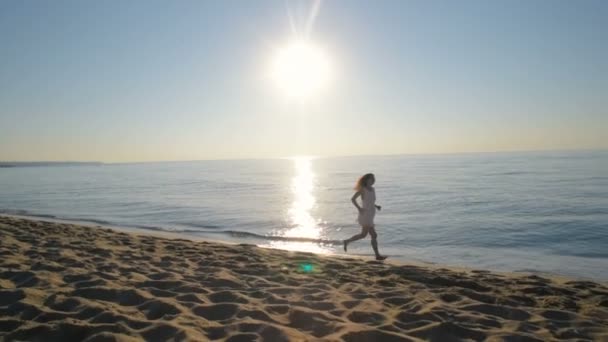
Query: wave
166, 229
232, 233
242, 234
199, 225
12, 212
21, 212
25, 213
507, 173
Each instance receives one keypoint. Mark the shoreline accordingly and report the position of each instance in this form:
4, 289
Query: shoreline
63, 282
191, 237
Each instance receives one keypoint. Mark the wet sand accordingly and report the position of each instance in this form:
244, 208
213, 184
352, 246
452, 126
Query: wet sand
66, 282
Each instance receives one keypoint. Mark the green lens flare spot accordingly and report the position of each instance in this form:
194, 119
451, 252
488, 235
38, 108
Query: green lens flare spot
306, 268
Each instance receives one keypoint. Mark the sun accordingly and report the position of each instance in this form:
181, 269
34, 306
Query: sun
300, 69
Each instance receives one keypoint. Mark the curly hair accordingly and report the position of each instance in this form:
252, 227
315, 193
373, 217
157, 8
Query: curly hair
363, 181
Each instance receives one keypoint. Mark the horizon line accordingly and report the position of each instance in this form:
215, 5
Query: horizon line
307, 155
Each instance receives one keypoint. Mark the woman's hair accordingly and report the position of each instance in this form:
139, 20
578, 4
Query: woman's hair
363, 181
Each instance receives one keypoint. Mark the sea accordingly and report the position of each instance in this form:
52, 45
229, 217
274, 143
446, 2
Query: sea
540, 212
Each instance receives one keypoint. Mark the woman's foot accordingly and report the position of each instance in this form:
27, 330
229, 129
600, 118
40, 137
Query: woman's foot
345, 244
380, 257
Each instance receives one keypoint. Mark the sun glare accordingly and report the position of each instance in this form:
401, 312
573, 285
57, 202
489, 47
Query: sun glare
300, 69
302, 222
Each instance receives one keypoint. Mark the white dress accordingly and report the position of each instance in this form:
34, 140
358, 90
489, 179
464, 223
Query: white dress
366, 216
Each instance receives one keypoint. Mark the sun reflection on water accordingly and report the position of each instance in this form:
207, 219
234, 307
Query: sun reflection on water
302, 222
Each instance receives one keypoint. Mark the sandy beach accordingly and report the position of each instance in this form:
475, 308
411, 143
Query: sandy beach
65, 282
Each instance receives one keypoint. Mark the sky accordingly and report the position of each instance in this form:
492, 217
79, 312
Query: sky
147, 80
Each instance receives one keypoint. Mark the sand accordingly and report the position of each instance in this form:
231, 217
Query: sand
64, 282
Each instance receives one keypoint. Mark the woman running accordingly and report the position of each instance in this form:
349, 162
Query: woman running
367, 211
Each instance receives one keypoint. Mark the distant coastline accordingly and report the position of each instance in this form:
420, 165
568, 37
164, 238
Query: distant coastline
44, 163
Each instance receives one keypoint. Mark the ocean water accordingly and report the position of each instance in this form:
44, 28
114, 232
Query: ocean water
541, 212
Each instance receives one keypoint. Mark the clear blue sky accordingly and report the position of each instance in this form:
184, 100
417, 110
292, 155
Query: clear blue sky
173, 80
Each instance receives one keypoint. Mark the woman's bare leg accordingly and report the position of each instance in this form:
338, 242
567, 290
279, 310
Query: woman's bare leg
374, 236
364, 231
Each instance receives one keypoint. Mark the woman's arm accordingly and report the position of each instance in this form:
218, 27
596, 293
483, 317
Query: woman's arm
354, 200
